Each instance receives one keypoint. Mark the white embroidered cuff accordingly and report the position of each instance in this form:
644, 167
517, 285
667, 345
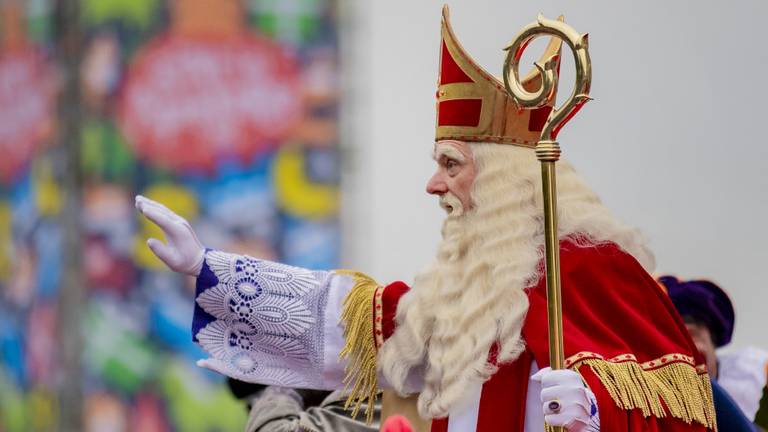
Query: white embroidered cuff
269, 321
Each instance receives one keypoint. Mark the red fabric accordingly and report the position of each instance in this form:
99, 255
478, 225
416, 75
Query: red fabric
538, 118
396, 424
389, 299
607, 303
456, 112
439, 425
611, 306
450, 72
510, 383
459, 112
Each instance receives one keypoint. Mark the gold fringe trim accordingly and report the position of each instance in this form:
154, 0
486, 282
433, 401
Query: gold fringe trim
686, 393
709, 404
359, 345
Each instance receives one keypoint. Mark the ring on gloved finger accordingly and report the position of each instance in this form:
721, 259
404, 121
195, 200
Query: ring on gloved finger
554, 406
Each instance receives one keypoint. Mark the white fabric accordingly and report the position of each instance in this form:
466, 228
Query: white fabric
742, 373
534, 416
466, 418
272, 322
333, 366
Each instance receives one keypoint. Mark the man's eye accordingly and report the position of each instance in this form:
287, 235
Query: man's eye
450, 164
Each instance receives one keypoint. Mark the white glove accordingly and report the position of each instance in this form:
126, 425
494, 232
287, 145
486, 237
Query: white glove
577, 405
183, 253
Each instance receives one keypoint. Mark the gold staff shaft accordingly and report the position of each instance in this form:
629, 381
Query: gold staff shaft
548, 150
552, 257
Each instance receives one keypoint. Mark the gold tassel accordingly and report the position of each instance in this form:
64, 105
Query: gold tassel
359, 345
709, 405
686, 393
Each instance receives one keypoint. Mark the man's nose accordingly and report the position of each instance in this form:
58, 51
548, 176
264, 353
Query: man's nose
436, 185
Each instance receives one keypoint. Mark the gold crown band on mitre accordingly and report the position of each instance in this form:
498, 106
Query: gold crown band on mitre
473, 105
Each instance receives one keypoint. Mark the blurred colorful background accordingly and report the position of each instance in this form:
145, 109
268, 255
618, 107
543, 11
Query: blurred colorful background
229, 112
224, 110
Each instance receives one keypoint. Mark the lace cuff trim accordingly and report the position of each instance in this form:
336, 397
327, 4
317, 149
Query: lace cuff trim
268, 325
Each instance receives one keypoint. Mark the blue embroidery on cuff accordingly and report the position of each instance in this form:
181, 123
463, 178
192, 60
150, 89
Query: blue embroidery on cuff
206, 279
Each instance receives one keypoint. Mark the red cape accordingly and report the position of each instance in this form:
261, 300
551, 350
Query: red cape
621, 333
624, 336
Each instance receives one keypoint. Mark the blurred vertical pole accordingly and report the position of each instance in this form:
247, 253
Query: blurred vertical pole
69, 44
354, 38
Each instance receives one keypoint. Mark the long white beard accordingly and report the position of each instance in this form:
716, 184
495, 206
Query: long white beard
470, 299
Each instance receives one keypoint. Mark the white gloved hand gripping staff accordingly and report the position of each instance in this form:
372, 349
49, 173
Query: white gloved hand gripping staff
566, 401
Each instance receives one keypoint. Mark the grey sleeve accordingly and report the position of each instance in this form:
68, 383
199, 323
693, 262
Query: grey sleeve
279, 409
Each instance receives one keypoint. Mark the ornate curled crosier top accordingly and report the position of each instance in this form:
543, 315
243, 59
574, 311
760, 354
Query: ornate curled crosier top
579, 45
267, 319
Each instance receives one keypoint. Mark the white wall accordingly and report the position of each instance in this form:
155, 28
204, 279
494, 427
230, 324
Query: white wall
673, 142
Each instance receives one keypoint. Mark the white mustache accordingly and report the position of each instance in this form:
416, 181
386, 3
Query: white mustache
451, 204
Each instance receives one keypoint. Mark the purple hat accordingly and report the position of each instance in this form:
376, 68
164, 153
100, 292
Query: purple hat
703, 301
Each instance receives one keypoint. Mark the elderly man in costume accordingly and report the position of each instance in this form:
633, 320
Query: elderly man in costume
469, 336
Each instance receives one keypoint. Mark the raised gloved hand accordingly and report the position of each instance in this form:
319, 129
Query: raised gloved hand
567, 401
183, 252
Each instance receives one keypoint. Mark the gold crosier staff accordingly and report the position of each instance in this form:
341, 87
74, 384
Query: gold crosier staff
548, 150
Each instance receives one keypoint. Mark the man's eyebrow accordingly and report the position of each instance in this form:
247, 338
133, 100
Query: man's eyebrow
448, 151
